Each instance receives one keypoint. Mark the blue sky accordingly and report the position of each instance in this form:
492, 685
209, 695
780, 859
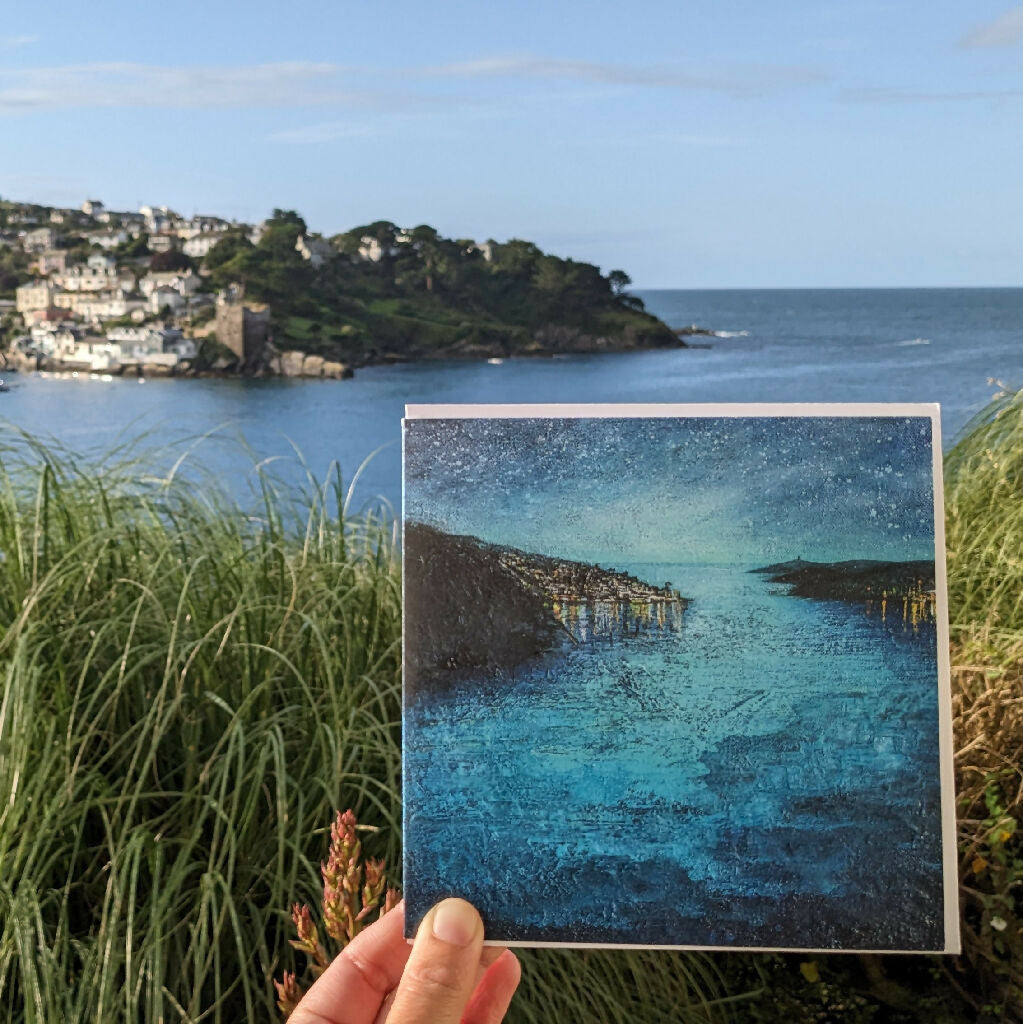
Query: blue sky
746, 491
735, 144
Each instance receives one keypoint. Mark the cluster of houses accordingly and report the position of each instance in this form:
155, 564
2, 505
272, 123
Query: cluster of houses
105, 311
564, 581
100, 305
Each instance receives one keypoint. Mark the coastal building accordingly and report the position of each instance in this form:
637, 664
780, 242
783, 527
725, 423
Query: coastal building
165, 297
109, 239
39, 240
50, 315
199, 245
98, 275
50, 261
372, 250
162, 242
184, 282
314, 249
157, 218
243, 326
92, 208
35, 295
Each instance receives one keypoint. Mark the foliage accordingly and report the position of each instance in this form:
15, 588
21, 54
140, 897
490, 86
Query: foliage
352, 891
190, 689
984, 522
451, 298
14, 270
172, 259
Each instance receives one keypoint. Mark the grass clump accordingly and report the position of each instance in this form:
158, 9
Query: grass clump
984, 521
190, 690
187, 693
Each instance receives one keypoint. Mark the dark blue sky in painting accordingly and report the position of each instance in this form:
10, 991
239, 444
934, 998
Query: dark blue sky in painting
721, 489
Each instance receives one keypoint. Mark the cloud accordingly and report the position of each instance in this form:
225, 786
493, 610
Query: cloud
296, 84
13, 42
743, 80
284, 84
1005, 30
892, 95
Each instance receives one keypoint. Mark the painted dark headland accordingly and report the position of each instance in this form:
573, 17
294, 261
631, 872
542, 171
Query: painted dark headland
470, 605
902, 586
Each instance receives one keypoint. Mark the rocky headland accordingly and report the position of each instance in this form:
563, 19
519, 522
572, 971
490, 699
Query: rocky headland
474, 606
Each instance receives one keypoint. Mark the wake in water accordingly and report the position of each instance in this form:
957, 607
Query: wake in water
913, 341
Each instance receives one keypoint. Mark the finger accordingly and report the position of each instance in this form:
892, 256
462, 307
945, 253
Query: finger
489, 955
352, 989
493, 995
441, 972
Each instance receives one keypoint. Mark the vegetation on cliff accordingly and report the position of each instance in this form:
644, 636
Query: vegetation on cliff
425, 296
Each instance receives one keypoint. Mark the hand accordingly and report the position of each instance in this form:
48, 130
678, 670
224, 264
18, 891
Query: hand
447, 977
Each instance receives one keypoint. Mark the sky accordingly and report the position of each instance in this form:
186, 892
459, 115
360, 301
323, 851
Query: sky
741, 491
835, 143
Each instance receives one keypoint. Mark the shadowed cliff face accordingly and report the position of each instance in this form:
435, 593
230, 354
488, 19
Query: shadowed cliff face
464, 610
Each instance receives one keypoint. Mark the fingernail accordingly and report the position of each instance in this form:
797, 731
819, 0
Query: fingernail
455, 922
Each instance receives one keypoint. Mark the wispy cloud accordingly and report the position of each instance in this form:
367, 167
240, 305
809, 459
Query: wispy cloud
741, 80
1005, 30
291, 83
296, 84
13, 42
893, 95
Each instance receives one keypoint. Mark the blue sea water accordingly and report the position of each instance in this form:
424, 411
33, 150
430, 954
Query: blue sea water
764, 774
779, 345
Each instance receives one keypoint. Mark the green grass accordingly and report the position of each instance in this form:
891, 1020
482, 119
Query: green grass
189, 691
188, 694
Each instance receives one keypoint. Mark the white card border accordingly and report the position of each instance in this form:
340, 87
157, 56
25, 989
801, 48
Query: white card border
946, 768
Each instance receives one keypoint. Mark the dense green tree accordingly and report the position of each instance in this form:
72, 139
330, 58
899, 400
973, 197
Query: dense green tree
172, 259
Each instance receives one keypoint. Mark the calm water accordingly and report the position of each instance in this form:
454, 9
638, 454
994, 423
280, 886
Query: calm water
707, 784
842, 345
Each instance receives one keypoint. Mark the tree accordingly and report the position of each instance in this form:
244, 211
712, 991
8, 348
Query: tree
619, 281
172, 259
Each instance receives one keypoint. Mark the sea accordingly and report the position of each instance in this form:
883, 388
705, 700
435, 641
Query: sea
954, 346
763, 772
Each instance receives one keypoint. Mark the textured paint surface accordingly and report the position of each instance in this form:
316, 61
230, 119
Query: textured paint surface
761, 769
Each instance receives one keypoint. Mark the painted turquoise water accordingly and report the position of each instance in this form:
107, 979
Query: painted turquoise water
765, 774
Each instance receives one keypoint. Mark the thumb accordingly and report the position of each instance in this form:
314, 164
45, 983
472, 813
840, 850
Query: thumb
441, 971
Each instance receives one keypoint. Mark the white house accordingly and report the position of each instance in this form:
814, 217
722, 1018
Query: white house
199, 245
47, 262
35, 295
314, 249
98, 277
109, 239
162, 242
39, 240
184, 282
370, 249
92, 208
165, 296
100, 261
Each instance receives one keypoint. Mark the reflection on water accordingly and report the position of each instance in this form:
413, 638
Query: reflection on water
754, 768
606, 620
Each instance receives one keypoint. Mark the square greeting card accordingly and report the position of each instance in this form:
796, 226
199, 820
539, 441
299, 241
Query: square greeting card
677, 676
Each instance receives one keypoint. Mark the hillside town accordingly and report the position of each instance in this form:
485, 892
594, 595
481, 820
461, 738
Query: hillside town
154, 291
126, 292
